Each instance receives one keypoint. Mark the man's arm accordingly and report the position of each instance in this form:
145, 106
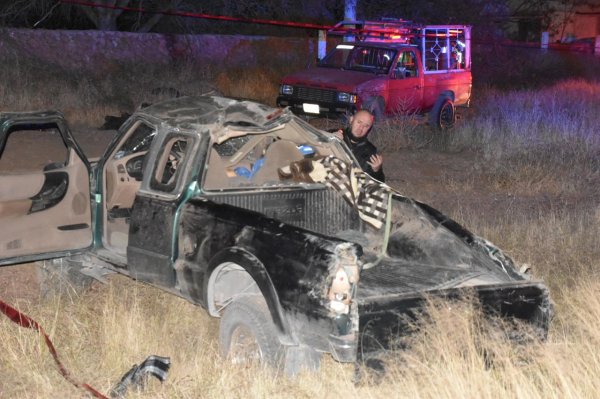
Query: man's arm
375, 163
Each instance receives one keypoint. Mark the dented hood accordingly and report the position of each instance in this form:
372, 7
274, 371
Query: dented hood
427, 251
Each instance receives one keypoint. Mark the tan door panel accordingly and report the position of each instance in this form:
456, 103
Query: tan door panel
63, 226
121, 188
14, 187
9, 209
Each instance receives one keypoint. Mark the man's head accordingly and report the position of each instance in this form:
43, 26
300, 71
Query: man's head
360, 124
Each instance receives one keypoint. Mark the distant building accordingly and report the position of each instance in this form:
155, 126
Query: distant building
564, 21
582, 22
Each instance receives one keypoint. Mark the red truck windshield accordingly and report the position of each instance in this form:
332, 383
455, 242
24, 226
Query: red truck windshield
360, 58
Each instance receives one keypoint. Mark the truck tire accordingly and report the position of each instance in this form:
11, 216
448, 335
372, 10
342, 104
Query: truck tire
443, 114
247, 333
62, 276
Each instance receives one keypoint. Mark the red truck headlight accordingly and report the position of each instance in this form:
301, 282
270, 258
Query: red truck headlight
346, 98
288, 90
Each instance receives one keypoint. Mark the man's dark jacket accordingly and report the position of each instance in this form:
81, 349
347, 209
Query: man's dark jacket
363, 150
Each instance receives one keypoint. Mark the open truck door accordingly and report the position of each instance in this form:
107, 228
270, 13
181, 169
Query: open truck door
45, 203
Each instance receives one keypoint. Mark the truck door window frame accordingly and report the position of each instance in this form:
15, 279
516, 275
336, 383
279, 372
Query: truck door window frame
406, 66
171, 164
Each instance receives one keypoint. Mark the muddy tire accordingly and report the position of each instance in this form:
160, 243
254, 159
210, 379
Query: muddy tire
62, 276
443, 114
247, 334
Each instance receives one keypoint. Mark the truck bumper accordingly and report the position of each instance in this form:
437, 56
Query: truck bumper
326, 109
385, 319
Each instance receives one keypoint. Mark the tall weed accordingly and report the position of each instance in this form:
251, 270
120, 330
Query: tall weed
537, 140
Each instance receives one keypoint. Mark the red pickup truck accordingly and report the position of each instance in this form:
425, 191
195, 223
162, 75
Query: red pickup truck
390, 68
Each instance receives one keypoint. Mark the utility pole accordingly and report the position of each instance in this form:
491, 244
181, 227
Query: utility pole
350, 15
350, 10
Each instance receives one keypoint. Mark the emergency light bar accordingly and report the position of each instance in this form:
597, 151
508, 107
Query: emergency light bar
394, 31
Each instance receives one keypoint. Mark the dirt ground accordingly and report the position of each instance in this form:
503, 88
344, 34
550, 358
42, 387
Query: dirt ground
426, 175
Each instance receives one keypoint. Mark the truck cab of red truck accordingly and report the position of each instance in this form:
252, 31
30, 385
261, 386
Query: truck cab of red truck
389, 67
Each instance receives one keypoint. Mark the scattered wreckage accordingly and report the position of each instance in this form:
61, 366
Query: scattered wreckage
256, 216
137, 376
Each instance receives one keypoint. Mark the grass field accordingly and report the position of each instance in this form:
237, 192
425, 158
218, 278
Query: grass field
541, 146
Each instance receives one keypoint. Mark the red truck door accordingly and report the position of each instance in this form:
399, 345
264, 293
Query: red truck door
405, 86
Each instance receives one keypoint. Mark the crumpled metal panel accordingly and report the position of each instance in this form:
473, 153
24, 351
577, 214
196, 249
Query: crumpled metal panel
223, 117
385, 319
392, 277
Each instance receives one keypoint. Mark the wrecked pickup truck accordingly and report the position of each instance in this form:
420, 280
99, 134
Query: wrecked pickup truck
256, 216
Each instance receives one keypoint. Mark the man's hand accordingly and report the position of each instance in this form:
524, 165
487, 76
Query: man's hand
375, 162
339, 134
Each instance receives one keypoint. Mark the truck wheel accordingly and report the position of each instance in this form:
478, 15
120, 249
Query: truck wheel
62, 276
443, 115
247, 333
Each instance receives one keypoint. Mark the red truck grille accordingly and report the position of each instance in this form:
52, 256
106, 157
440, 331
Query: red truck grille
315, 95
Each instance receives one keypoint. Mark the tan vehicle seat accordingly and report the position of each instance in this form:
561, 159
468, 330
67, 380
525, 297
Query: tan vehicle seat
280, 153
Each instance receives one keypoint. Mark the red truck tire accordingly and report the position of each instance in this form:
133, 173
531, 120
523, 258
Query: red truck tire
443, 114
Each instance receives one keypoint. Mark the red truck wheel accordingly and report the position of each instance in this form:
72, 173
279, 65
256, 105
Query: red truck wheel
443, 115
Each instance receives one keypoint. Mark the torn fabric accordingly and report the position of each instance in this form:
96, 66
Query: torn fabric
367, 195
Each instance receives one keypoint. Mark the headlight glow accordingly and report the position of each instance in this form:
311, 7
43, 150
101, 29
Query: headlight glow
288, 90
346, 97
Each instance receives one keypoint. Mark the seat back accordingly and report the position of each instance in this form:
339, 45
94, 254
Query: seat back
279, 154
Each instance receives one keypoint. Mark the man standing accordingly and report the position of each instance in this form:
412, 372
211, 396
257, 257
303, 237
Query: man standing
355, 137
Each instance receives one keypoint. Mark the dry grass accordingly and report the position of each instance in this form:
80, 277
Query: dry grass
401, 131
86, 97
101, 334
544, 139
255, 83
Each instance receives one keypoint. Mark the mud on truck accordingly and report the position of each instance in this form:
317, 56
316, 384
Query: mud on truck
254, 215
389, 67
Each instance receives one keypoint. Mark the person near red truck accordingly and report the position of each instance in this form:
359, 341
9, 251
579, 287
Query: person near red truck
356, 138
392, 68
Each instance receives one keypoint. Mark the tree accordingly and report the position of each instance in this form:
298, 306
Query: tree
105, 18
473, 12
110, 15
107, 15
